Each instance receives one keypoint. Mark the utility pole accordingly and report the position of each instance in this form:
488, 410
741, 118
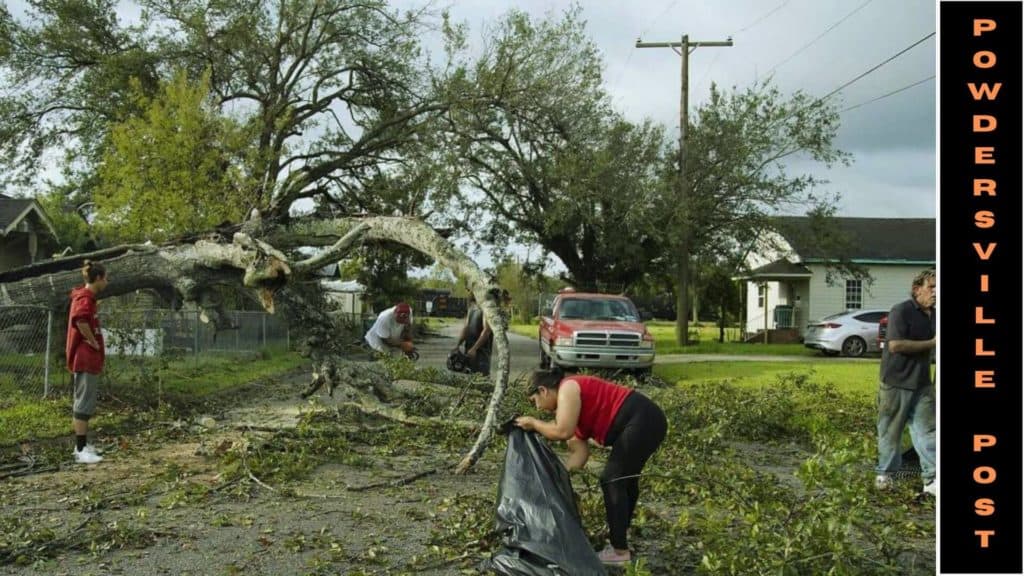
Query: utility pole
683, 265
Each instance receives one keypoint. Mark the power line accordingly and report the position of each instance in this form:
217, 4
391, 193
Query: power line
761, 19
877, 66
887, 94
819, 36
646, 29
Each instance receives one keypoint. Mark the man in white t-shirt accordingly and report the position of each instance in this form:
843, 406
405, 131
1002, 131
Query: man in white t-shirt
391, 330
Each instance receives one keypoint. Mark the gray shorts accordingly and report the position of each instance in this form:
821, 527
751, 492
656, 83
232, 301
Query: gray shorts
85, 395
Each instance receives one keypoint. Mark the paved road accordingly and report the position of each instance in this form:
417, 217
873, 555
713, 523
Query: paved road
526, 353
434, 351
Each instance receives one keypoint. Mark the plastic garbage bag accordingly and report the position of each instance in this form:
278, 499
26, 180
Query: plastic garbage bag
542, 534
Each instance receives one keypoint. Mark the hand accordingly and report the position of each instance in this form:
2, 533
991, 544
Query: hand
95, 345
527, 423
471, 354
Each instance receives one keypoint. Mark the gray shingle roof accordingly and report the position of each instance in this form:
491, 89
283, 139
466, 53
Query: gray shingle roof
870, 239
782, 268
11, 208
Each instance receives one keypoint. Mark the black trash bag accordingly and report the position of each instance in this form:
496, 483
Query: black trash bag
542, 534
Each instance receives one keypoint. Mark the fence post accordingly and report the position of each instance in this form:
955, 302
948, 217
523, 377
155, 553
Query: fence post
195, 336
264, 316
46, 363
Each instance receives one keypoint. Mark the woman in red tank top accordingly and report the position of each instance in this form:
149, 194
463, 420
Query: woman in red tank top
591, 408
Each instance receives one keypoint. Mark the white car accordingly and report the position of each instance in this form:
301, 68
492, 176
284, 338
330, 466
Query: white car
852, 333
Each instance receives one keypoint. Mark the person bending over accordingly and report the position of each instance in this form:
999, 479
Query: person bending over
392, 330
588, 407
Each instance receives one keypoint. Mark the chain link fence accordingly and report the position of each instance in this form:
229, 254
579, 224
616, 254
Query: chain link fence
26, 342
138, 343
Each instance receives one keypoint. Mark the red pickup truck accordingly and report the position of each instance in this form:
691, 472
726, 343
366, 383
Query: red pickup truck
594, 330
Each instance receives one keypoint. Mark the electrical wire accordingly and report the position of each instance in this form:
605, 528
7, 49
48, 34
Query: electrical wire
887, 94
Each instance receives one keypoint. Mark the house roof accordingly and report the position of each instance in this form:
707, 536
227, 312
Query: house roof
777, 270
14, 210
871, 240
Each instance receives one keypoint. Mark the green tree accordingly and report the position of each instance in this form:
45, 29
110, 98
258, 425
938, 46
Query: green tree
549, 162
173, 169
72, 228
439, 278
330, 92
737, 147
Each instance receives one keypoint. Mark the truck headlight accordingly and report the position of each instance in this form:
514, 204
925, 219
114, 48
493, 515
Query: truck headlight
648, 344
563, 341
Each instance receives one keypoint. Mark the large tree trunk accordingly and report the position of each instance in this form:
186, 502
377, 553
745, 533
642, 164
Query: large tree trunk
189, 269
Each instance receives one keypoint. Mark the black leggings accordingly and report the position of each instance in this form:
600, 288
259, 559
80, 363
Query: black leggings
637, 431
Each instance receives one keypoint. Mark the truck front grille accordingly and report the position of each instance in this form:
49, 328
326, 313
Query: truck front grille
616, 339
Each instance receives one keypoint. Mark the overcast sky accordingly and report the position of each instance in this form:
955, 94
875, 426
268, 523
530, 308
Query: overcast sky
807, 48
810, 45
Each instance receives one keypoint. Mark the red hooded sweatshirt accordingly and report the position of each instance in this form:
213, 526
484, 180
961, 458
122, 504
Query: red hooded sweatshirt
81, 356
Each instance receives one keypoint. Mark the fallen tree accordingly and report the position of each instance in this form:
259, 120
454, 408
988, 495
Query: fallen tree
245, 257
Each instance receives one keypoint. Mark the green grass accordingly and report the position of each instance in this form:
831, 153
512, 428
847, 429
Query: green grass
26, 416
191, 378
857, 378
665, 342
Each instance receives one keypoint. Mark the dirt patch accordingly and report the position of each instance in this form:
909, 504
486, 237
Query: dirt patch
335, 493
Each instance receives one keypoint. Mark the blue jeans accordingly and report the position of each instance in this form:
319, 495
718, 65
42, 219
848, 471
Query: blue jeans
897, 408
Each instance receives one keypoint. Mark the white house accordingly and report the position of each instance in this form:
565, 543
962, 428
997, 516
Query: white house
347, 296
788, 286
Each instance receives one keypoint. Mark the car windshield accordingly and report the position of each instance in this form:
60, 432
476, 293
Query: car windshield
593, 309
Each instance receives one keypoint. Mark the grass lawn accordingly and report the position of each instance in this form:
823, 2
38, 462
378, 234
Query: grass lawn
665, 342
857, 378
26, 416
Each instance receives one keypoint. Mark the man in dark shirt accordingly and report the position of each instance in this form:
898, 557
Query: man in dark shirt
906, 392
478, 338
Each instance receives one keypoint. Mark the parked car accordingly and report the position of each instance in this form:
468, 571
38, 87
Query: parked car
594, 330
852, 333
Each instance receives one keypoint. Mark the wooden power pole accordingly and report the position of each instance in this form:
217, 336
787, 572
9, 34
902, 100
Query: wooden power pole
683, 264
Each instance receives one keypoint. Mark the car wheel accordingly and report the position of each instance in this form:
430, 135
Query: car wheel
545, 360
854, 346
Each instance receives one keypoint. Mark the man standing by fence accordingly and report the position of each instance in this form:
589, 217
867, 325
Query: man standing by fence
85, 355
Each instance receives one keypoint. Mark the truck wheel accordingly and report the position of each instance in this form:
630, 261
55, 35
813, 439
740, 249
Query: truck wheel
545, 360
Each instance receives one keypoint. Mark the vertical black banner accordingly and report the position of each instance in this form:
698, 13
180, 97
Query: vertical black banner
980, 288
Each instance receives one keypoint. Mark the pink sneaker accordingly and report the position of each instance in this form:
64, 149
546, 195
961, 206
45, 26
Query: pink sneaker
612, 558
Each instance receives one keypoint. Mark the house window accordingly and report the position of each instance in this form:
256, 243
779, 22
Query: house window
762, 290
854, 295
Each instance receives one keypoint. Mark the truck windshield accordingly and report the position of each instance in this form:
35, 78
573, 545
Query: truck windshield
611, 309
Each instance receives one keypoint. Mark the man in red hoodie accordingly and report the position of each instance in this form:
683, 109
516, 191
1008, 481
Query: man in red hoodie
85, 355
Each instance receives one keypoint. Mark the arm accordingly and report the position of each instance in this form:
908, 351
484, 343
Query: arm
87, 334
898, 342
579, 452
566, 416
910, 347
480, 340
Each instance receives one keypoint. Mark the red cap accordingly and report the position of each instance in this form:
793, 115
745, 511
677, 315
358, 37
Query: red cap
402, 311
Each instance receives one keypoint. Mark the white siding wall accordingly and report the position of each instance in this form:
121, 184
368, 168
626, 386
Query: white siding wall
776, 297
818, 299
891, 285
